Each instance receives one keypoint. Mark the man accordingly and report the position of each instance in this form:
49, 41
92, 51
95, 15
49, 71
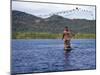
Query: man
67, 35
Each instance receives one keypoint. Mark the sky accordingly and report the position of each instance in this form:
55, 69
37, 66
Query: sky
45, 10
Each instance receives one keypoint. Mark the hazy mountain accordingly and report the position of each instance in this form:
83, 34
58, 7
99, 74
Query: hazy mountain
23, 22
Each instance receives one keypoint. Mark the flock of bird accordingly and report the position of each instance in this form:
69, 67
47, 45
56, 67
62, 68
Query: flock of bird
70, 12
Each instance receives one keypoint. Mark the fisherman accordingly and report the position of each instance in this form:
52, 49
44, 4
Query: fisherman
67, 35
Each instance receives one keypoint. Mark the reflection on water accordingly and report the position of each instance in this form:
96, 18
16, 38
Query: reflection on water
48, 55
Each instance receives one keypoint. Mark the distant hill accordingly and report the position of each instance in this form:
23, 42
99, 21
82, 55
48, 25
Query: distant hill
23, 22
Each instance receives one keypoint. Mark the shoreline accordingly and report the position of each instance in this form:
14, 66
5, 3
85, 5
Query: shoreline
38, 35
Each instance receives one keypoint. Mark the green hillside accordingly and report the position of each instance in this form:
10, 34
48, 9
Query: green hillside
25, 23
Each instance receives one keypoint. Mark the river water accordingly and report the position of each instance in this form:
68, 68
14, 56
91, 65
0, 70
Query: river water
48, 55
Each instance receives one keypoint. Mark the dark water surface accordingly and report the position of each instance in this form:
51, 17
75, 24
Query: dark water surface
48, 55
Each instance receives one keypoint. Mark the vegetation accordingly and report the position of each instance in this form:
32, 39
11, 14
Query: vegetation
85, 36
32, 35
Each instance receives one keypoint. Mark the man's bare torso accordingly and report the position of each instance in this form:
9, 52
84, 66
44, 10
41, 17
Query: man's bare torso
67, 35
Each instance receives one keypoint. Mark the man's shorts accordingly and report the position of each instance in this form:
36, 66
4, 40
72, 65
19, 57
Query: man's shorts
67, 42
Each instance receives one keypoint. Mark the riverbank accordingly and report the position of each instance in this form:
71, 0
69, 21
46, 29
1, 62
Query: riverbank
43, 35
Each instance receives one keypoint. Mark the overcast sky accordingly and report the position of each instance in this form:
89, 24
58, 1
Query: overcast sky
43, 10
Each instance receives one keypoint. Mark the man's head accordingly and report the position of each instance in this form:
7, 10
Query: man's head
66, 28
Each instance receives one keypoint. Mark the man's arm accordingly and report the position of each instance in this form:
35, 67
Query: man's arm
63, 36
72, 33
